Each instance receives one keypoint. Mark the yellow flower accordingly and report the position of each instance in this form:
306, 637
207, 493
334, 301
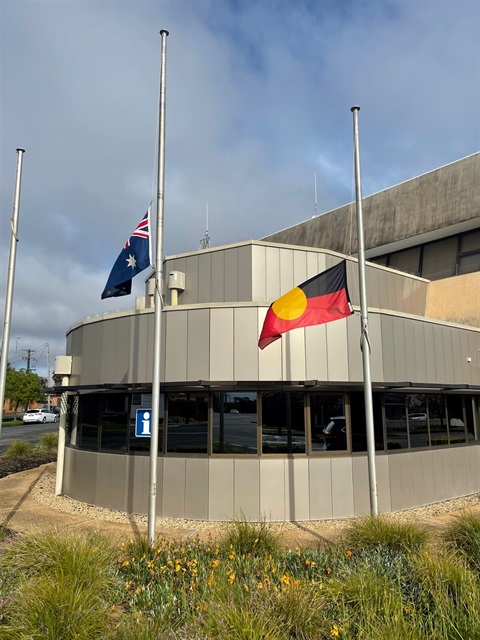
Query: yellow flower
349, 553
150, 564
307, 562
231, 578
215, 564
259, 585
329, 571
286, 578
407, 609
211, 580
126, 563
335, 631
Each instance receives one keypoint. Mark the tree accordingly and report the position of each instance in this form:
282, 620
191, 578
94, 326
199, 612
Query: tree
23, 387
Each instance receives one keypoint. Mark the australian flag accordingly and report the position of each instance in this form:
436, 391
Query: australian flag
134, 257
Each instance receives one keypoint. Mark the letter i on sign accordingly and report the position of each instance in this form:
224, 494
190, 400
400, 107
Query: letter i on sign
143, 423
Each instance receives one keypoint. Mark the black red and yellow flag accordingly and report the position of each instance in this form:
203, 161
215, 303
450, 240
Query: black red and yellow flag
321, 299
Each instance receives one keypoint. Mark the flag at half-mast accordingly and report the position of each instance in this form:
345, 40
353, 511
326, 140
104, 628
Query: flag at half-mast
134, 258
320, 299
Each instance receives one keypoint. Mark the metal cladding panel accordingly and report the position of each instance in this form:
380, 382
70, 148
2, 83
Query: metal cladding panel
198, 344
424, 480
430, 358
299, 267
190, 295
316, 365
231, 275
221, 489
320, 488
439, 353
111, 474
449, 373
383, 484
141, 347
399, 347
361, 486
441, 489
221, 344
287, 277
137, 478
218, 276
176, 346
272, 271
420, 353
204, 277
272, 489
244, 273
353, 286
294, 354
297, 503
196, 489
409, 344
401, 481
82, 483
245, 358
115, 362
355, 364
270, 358
458, 355
173, 487
388, 350
376, 356
92, 352
246, 490
342, 487
259, 274
470, 349
337, 350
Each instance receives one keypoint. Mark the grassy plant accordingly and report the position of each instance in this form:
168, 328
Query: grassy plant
251, 539
451, 593
235, 621
462, 536
48, 443
86, 560
57, 609
371, 532
19, 449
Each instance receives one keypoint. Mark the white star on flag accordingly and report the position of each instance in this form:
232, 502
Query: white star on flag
131, 262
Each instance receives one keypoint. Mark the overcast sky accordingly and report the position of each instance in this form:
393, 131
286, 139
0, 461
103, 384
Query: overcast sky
258, 102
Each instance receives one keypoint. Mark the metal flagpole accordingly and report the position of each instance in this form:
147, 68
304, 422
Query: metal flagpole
10, 282
157, 327
364, 340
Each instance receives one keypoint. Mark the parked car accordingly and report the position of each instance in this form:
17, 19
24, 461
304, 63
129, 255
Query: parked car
39, 415
417, 416
335, 434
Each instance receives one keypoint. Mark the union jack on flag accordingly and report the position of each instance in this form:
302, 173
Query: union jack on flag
134, 258
142, 230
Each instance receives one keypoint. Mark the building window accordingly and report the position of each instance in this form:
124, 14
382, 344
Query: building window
437, 420
187, 428
234, 423
417, 420
328, 422
88, 421
114, 420
456, 419
283, 423
396, 421
408, 261
469, 253
439, 259
358, 422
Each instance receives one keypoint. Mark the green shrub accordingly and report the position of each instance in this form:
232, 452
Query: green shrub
250, 539
462, 536
48, 443
19, 449
372, 532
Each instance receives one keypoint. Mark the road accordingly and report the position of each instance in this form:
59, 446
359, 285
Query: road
29, 432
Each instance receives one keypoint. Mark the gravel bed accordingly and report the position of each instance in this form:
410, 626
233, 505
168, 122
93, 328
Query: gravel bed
44, 493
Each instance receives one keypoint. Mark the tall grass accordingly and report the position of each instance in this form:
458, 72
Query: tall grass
383, 582
462, 536
48, 443
19, 449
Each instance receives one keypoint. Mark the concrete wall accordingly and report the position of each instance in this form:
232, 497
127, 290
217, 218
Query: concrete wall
448, 197
288, 489
456, 299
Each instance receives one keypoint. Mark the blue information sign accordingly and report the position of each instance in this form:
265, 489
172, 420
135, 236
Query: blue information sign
142, 423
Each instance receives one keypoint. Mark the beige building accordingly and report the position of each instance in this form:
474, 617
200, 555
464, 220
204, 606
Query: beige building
280, 434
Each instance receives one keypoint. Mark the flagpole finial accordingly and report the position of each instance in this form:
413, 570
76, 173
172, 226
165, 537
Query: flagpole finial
355, 108
164, 31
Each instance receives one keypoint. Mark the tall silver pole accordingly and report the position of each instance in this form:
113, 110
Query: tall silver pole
157, 327
364, 341
10, 282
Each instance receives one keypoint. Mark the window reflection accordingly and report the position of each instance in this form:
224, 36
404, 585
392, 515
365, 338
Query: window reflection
395, 421
114, 418
437, 420
328, 423
234, 423
187, 422
283, 423
456, 419
89, 409
417, 420
358, 421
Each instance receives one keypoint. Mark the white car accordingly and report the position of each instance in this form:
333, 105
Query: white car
39, 415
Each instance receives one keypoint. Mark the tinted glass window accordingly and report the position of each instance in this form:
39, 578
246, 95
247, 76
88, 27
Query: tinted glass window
456, 419
396, 421
89, 413
187, 422
114, 421
358, 422
234, 422
437, 419
417, 420
283, 423
325, 410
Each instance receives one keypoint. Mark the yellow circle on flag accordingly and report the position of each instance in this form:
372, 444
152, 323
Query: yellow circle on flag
290, 306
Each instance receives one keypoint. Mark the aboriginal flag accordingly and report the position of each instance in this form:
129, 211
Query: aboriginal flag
321, 299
